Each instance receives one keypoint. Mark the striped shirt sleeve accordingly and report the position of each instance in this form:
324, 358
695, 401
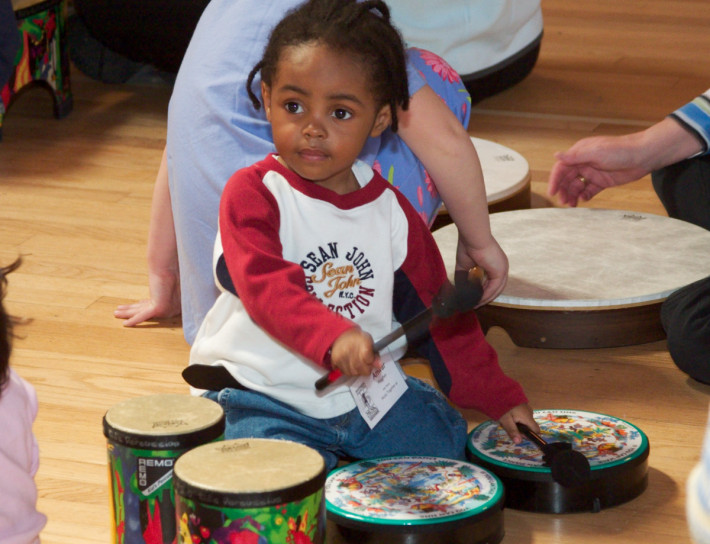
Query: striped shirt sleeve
695, 116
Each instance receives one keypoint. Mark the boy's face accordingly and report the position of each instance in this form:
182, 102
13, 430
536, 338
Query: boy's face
322, 111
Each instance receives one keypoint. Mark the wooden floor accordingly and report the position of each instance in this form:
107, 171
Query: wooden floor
74, 202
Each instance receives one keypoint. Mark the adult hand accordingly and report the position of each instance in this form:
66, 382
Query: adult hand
164, 301
594, 164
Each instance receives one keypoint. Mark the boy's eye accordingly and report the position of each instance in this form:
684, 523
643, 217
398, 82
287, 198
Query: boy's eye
342, 114
293, 107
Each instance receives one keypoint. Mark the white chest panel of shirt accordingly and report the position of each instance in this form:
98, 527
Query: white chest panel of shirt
348, 256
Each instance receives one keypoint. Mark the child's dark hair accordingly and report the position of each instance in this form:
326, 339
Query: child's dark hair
349, 27
6, 326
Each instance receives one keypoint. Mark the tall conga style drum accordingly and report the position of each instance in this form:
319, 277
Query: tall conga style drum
506, 175
617, 452
145, 437
587, 278
256, 491
410, 500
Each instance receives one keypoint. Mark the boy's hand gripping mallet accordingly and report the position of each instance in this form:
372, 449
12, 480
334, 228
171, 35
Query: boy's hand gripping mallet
462, 297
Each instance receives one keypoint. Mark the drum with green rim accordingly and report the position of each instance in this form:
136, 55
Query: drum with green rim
409, 500
617, 452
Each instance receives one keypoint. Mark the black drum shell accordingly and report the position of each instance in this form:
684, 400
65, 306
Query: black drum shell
486, 528
538, 492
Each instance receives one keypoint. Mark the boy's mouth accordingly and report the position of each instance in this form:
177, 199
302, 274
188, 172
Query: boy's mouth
312, 154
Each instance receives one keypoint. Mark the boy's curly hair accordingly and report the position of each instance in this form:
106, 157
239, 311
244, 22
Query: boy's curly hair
349, 27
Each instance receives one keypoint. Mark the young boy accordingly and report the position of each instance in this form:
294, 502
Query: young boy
317, 254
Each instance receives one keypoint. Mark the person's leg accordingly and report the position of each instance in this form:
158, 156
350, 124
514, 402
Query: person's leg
685, 316
249, 414
421, 422
396, 162
684, 190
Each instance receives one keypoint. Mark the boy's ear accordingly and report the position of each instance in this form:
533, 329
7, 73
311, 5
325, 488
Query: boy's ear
382, 121
266, 99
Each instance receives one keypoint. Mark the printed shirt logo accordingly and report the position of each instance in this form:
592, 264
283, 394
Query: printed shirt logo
339, 282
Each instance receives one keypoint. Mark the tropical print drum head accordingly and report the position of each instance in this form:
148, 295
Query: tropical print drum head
411, 491
604, 440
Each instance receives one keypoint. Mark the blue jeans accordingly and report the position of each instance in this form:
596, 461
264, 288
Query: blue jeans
421, 423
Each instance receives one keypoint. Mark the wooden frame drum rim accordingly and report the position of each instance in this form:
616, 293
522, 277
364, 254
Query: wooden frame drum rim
575, 329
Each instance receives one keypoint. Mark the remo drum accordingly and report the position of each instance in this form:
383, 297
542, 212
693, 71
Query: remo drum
506, 175
257, 491
617, 452
145, 437
431, 500
587, 278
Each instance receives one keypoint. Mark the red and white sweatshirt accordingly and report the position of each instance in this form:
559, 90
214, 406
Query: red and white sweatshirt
298, 265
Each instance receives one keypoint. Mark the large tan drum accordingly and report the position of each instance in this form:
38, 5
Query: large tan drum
506, 174
588, 278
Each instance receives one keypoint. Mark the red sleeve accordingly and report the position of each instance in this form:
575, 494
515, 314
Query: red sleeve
272, 289
464, 364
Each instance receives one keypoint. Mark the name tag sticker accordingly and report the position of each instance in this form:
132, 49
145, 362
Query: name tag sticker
376, 394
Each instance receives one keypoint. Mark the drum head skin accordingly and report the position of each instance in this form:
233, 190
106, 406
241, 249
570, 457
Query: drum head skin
249, 473
415, 499
617, 452
506, 173
164, 422
253, 490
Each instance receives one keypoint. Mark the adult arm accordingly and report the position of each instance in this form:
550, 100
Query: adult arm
445, 149
163, 269
609, 161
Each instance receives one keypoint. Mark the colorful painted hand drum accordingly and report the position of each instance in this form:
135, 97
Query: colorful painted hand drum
415, 499
617, 452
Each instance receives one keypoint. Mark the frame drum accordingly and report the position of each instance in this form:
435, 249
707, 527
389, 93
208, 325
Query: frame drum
407, 500
587, 278
617, 452
506, 175
145, 436
252, 490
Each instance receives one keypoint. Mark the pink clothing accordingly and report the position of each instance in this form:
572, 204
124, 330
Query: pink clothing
20, 522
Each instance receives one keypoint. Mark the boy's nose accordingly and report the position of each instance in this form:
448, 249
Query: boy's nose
314, 129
